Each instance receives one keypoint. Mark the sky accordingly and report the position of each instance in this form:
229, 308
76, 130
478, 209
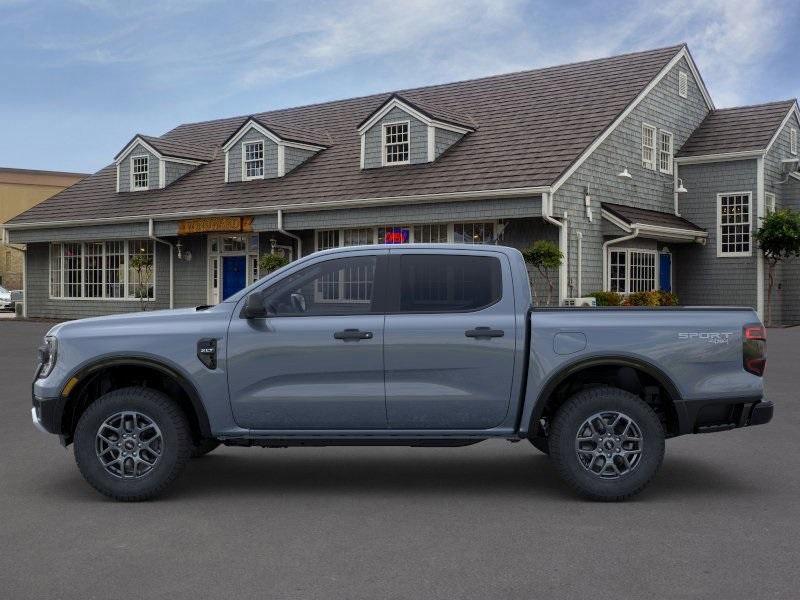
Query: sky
79, 78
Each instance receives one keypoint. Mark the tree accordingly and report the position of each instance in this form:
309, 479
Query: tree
779, 239
142, 265
545, 256
271, 262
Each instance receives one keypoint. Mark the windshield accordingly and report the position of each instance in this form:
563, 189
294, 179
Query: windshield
3, 290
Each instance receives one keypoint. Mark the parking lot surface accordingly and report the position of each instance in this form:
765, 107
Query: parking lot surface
721, 520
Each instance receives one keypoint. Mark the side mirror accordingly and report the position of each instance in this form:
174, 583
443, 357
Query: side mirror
253, 308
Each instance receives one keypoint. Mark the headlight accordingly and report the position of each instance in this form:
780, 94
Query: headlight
48, 355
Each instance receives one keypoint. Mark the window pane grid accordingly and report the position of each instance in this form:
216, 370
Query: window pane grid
396, 146
735, 224
254, 159
642, 276
648, 147
73, 270
617, 265
140, 172
473, 233
115, 269
93, 270
55, 270
430, 234
358, 237
665, 153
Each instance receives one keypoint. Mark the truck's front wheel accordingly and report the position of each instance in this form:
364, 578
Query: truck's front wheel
131, 443
607, 443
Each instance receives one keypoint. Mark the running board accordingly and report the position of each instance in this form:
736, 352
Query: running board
344, 441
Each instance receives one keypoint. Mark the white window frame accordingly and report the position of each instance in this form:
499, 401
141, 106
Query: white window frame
263, 160
650, 164
384, 126
214, 263
627, 277
720, 253
793, 141
133, 186
340, 232
104, 298
665, 155
683, 84
769, 202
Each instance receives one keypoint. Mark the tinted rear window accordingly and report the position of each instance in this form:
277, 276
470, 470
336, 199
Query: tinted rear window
442, 283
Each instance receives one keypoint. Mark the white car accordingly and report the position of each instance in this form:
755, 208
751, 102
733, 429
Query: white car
5, 299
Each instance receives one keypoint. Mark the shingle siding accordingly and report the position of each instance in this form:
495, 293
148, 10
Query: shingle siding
88, 233
294, 157
191, 277
418, 139
175, 170
125, 169
443, 139
649, 189
786, 286
521, 233
270, 156
705, 278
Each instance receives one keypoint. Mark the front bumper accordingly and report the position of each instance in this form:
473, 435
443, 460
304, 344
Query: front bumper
46, 414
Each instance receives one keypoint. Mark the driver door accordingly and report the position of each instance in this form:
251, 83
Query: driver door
316, 360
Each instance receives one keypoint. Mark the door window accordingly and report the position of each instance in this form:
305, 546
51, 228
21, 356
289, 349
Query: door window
443, 283
343, 286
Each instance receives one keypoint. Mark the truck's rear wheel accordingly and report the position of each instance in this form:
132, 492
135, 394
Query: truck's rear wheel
131, 443
606, 443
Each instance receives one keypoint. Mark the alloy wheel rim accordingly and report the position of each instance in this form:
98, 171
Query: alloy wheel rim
609, 444
129, 445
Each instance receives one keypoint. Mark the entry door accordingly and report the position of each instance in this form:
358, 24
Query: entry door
234, 275
665, 272
316, 362
449, 342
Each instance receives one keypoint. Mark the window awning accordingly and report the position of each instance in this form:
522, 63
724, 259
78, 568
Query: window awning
653, 224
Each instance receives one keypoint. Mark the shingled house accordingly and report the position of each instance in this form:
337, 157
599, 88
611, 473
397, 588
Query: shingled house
623, 161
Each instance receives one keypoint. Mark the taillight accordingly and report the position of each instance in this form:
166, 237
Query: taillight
754, 348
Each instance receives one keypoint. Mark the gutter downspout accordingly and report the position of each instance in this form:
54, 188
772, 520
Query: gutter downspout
563, 242
580, 264
290, 235
605, 253
675, 197
151, 234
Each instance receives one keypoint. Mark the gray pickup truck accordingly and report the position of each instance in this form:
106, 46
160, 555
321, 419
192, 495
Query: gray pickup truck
417, 345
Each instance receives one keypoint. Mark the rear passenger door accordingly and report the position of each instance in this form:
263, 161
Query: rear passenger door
449, 339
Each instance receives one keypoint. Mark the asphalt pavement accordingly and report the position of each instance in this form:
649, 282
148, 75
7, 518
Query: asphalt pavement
721, 520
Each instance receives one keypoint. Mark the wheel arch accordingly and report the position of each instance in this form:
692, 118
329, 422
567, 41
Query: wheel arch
573, 370
76, 399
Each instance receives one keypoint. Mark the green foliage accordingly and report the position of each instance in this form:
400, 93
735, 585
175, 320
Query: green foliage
643, 299
779, 239
544, 255
142, 265
779, 235
607, 298
271, 262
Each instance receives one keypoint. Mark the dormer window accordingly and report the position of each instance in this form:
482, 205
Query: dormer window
140, 169
396, 148
253, 153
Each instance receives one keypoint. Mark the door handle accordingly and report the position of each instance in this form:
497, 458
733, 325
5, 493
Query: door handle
484, 332
352, 334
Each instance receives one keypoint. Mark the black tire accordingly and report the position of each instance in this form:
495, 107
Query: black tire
175, 448
541, 444
204, 446
568, 424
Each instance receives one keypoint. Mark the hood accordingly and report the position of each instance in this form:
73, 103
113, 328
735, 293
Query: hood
143, 318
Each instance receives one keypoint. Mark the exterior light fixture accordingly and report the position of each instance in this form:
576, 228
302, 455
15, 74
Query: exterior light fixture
680, 189
625, 174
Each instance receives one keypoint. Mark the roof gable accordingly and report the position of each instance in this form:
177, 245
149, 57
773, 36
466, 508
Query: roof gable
280, 134
420, 110
167, 149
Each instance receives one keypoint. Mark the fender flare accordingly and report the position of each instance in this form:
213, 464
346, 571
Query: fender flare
84, 372
637, 363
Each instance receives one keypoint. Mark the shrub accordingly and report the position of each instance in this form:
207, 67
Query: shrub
667, 298
643, 299
271, 262
607, 298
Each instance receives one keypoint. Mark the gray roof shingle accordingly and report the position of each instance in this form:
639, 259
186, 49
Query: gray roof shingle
738, 129
630, 215
530, 127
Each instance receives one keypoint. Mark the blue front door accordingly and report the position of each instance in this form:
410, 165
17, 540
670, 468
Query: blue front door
233, 275
665, 272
